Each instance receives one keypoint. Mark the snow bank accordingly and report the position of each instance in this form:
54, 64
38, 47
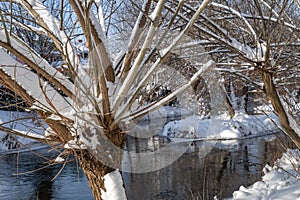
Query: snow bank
240, 126
279, 182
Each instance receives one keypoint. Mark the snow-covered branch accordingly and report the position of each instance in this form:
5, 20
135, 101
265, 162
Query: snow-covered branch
35, 61
155, 16
235, 12
156, 105
27, 79
135, 37
163, 54
52, 26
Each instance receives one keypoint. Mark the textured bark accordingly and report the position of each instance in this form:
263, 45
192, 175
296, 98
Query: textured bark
272, 94
229, 107
60, 129
94, 171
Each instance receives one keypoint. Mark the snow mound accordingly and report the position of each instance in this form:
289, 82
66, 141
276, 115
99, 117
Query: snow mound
220, 127
279, 182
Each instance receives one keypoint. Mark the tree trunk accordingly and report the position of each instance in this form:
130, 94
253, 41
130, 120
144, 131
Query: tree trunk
272, 94
229, 106
94, 171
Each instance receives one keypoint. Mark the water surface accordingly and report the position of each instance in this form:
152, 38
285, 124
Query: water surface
192, 176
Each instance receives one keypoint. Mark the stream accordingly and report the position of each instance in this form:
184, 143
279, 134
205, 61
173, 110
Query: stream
193, 176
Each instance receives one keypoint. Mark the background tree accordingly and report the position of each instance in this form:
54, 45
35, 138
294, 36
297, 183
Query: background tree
253, 44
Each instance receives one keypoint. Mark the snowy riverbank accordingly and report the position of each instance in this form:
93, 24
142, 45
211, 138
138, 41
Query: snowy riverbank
221, 127
279, 182
162, 122
23, 122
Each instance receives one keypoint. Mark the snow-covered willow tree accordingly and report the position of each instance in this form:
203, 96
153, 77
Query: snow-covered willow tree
258, 43
87, 109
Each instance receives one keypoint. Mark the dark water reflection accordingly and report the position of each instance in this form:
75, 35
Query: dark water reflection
219, 173
192, 176
71, 184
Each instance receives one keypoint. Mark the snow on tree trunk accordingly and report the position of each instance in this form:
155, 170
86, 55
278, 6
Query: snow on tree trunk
113, 183
95, 172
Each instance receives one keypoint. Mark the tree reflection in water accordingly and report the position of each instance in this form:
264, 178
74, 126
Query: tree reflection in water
219, 173
223, 170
